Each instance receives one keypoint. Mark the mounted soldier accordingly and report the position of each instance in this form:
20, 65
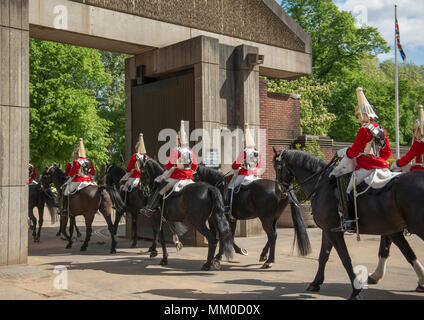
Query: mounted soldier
179, 171
32, 174
80, 176
417, 150
367, 158
132, 178
246, 167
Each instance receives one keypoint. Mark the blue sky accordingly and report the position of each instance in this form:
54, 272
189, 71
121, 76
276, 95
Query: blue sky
380, 14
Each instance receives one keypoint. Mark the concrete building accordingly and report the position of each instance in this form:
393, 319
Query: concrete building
195, 60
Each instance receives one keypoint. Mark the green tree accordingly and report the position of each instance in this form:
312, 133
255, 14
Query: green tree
337, 44
315, 95
112, 104
65, 85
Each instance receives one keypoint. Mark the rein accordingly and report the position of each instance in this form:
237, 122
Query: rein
289, 190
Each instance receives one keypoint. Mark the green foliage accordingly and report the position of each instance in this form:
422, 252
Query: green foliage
313, 148
314, 98
65, 85
337, 44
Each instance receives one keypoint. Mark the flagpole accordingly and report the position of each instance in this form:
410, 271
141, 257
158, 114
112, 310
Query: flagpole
397, 90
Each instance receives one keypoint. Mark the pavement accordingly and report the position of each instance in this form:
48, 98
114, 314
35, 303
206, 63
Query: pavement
132, 274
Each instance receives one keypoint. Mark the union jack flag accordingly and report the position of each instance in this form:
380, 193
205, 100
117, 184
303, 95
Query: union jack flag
402, 53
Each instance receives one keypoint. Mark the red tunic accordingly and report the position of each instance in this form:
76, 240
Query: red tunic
136, 173
369, 162
244, 171
416, 151
33, 176
180, 174
68, 169
74, 171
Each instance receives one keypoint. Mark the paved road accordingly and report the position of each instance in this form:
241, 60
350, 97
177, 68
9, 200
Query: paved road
131, 274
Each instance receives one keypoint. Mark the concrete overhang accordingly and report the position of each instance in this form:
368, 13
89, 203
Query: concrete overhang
95, 27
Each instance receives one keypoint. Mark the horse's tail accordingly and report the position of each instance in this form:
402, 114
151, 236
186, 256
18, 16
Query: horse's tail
301, 235
52, 204
218, 215
117, 201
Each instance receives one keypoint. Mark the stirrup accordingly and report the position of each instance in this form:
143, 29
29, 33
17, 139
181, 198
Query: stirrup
348, 226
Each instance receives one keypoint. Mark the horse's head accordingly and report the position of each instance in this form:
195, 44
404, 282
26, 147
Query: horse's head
52, 174
283, 173
149, 170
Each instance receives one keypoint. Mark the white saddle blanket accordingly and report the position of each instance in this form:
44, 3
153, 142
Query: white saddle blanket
74, 187
176, 186
376, 179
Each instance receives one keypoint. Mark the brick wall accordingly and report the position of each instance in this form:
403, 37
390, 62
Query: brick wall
280, 117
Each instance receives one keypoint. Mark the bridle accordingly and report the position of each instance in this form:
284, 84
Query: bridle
285, 187
144, 188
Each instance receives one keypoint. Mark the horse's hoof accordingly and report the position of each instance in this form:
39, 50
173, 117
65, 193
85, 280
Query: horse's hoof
58, 234
134, 245
83, 249
164, 262
113, 251
244, 252
372, 280
420, 288
153, 254
179, 246
216, 264
206, 267
218, 257
263, 258
313, 288
69, 246
79, 235
267, 265
357, 297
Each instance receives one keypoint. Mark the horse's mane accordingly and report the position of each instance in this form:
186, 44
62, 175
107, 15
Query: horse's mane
304, 160
156, 166
210, 175
116, 167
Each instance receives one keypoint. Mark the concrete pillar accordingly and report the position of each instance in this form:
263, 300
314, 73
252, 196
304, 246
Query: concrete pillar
14, 131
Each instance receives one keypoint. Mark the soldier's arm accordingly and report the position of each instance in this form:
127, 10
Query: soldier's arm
362, 138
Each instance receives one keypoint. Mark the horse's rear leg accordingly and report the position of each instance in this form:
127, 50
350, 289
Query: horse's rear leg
107, 214
326, 247
337, 238
418, 267
383, 254
212, 243
152, 249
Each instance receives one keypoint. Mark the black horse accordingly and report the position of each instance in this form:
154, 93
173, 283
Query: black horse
196, 203
39, 197
260, 199
134, 201
86, 202
386, 212
61, 179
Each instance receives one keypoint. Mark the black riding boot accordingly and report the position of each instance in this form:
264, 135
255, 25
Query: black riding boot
65, 205
346, 209
228, 204
151, 204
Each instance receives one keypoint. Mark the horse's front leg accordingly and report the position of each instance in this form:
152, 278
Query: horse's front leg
40, 223
134, 224
272, 237
88, 230
337, 238
164, 261
64, 222
152, 249
237, 249
326, 247
33, 222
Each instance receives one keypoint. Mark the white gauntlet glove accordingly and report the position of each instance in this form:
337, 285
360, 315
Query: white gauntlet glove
395, 167
342, 153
